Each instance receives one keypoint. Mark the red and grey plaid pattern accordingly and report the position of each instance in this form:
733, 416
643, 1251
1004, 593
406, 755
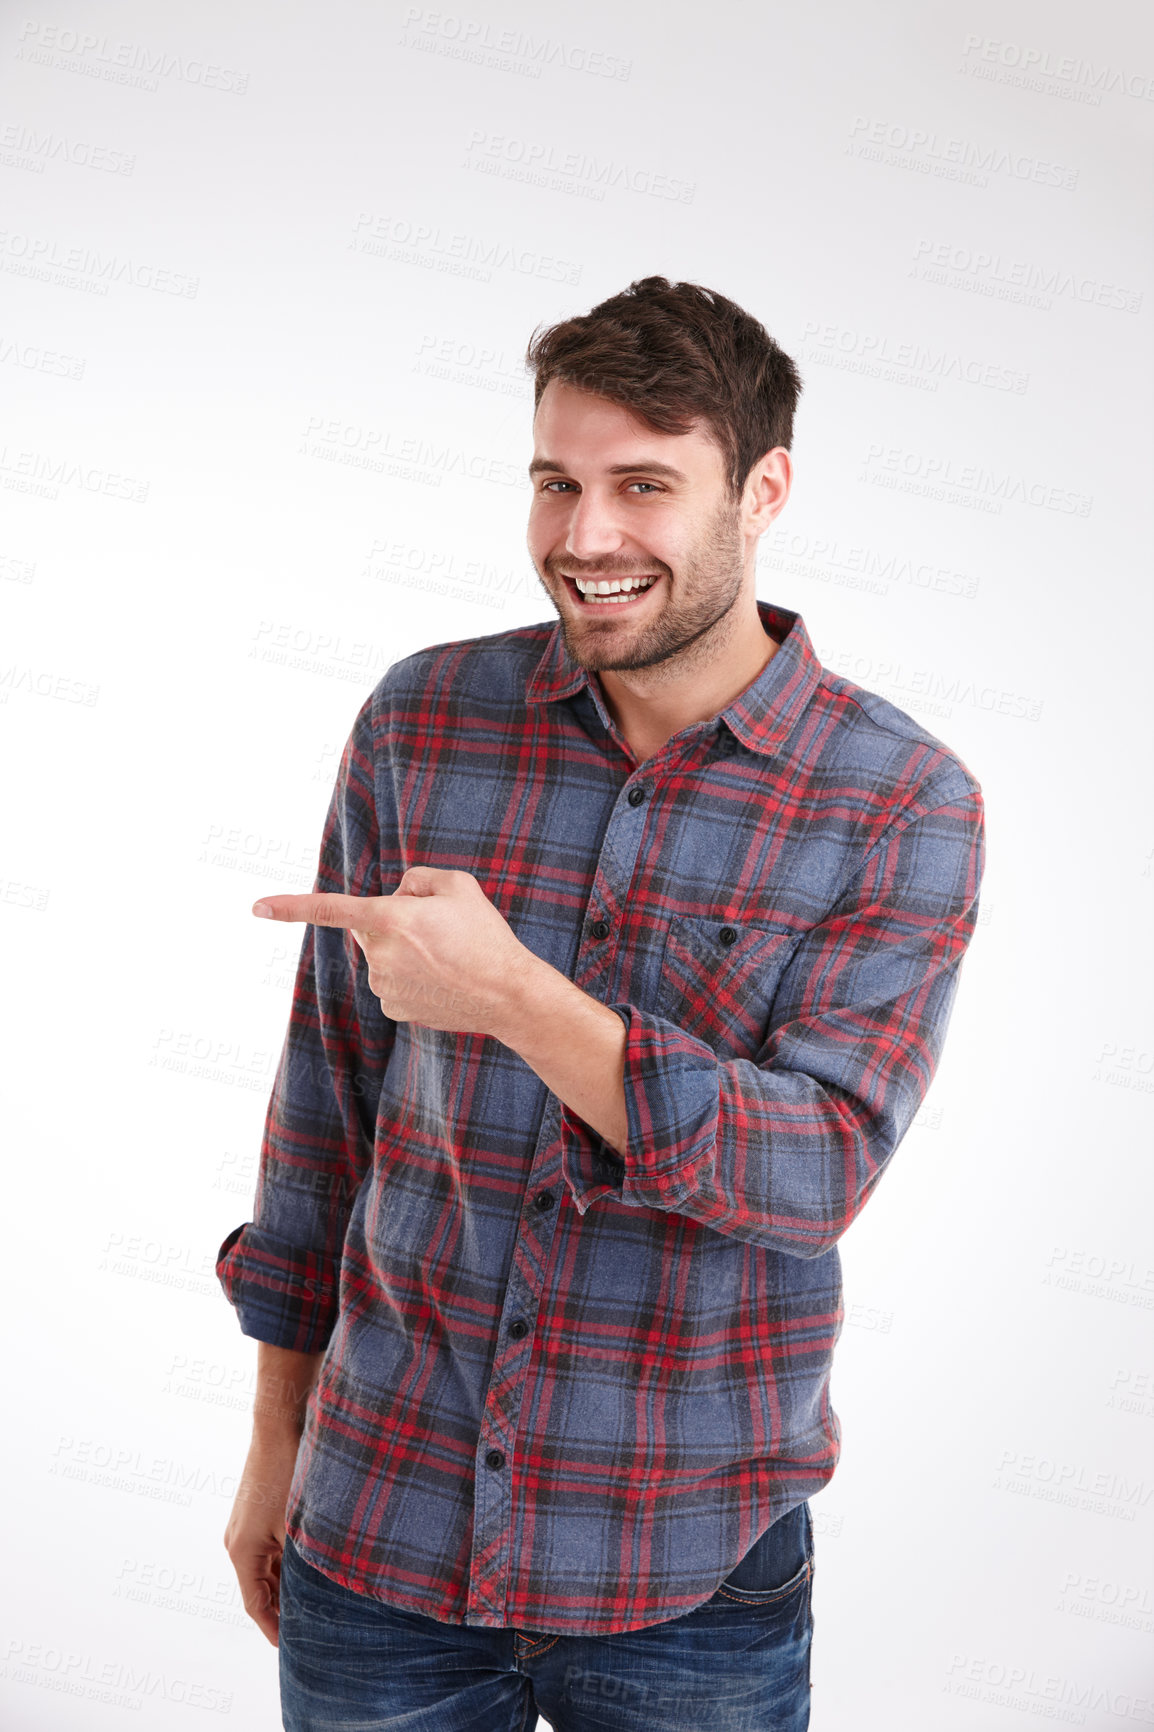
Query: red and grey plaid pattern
565, 1391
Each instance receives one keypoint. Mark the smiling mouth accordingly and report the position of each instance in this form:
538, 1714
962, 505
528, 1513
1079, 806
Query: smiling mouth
616, 599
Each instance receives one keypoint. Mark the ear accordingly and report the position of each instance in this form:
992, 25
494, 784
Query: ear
767, 488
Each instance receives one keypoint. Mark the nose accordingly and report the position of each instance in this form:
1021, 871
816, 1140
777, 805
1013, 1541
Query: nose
592, 530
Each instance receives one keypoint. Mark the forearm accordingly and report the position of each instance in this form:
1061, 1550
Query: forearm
283, 1381
783, 1144
575, 1044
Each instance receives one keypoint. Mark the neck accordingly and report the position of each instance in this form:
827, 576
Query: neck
650, 705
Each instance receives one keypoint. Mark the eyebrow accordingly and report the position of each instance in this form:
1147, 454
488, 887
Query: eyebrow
540, 465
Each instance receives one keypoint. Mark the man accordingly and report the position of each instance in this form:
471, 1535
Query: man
630, 956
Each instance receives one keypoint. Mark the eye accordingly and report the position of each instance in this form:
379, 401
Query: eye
547, 486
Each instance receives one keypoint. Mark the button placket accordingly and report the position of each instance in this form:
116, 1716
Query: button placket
493, 1483
615, 868
493, 1499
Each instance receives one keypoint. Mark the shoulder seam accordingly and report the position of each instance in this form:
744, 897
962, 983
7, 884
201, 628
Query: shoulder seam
918, 808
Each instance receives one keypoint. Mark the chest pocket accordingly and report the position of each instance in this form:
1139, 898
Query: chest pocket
719, 978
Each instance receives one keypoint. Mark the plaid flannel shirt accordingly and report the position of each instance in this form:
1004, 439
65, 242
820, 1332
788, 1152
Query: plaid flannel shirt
562, 1390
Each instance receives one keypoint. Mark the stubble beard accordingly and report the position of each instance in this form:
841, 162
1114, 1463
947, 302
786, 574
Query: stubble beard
689, 626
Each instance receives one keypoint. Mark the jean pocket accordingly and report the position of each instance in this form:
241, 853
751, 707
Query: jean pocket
319, 1600
777, 1565
719, 979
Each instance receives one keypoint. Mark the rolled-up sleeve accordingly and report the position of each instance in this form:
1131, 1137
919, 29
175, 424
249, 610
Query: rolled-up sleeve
281, 1270
784, 1147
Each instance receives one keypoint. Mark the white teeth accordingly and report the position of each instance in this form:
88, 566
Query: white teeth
615, 589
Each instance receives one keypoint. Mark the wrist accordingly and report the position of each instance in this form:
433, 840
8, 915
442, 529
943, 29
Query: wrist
532, 993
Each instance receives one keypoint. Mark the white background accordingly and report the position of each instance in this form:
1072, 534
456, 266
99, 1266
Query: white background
269, 273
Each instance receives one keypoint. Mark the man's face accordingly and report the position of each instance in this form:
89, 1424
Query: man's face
605, 506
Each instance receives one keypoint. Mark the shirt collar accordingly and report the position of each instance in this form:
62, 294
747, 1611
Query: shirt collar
762, 717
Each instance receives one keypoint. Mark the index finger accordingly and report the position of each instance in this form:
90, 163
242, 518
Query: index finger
323, 909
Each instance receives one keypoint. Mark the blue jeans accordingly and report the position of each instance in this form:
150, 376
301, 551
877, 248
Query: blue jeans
739, 1663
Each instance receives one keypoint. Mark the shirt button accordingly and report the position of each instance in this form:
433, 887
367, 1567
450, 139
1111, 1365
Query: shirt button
545, 1200
518, 1329
495, 1460
600, 929
727, 935
635, 796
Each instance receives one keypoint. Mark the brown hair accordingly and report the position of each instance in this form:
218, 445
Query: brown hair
674, 354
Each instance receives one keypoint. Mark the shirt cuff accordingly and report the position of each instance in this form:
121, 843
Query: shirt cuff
672, 1103
284, 1294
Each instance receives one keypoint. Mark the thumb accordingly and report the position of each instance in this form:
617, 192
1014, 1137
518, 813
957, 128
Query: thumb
420, 881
